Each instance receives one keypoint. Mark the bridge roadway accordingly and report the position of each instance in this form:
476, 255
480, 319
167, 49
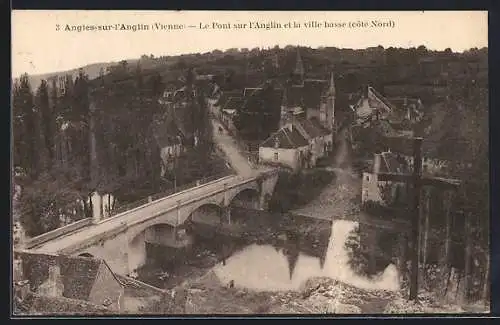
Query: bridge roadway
141, 214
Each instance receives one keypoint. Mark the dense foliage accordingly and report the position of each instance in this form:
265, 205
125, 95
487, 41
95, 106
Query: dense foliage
75, 137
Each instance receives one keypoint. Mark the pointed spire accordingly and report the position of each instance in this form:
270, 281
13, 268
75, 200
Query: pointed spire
299, 66
332, 84
292, 252
322, 260
292, 255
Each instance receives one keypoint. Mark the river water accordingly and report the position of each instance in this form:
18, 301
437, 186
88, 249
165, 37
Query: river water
265, 267
280, 265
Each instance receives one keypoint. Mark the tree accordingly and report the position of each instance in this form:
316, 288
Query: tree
25, 114
46, 202
80, 117
422, 50
47, 123
138, 76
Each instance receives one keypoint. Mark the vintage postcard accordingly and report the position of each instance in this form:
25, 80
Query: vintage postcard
218, 162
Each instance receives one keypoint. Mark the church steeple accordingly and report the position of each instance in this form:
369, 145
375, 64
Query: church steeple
331, 89
299, 66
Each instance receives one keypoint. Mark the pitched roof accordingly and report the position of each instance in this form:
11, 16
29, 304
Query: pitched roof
233, 103
181, 93
256, 98
250, 91
308, 94
44, 305
78, 274
229, 111
226, 94
313, 130
391, 164
374, 94
286, 138
319, 127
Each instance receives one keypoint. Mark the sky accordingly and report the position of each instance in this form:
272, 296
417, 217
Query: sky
38, 47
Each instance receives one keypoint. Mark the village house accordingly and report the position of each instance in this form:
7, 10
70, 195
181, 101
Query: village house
68, 279
320, 139
286, 147
223, 99
384, 192
206, 84
390, 192
400, 112
249, 99
229, 110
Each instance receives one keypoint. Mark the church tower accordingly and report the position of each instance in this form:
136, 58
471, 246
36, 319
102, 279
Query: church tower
327, 107
330, 104
299, 67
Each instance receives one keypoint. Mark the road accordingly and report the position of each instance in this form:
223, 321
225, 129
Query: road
137, 215
229, 147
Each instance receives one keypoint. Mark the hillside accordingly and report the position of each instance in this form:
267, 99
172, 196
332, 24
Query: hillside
92, 70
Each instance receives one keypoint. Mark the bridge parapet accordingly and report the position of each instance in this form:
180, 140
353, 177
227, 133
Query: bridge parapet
117, 239
45, 237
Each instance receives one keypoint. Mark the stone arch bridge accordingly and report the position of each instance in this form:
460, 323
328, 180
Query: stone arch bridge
120, 240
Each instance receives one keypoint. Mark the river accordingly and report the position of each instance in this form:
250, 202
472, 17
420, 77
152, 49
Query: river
265, 267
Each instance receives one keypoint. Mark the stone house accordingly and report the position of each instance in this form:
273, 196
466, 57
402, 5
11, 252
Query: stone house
319, 138
399, 112
286, 147
387, 192
225, 95
229, 110
384, 192
84, 279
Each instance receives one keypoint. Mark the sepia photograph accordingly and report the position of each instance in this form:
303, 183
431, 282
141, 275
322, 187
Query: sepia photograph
174, 163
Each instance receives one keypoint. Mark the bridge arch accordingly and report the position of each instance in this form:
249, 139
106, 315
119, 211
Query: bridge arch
249, 186
248, 198
160, 233
206, 213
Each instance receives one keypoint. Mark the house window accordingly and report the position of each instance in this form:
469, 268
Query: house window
367, 178
275, 156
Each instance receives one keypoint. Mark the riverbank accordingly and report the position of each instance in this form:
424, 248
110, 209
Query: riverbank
319, 295
207, 295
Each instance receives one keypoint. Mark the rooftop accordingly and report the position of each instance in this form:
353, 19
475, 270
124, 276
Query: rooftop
233, 103
313, 129
78, 274
285, 138
307, 94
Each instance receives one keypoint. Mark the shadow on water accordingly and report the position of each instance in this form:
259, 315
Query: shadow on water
298, 249
289, 264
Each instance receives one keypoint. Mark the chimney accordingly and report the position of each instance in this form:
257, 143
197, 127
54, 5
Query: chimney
376, 163
22, 289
